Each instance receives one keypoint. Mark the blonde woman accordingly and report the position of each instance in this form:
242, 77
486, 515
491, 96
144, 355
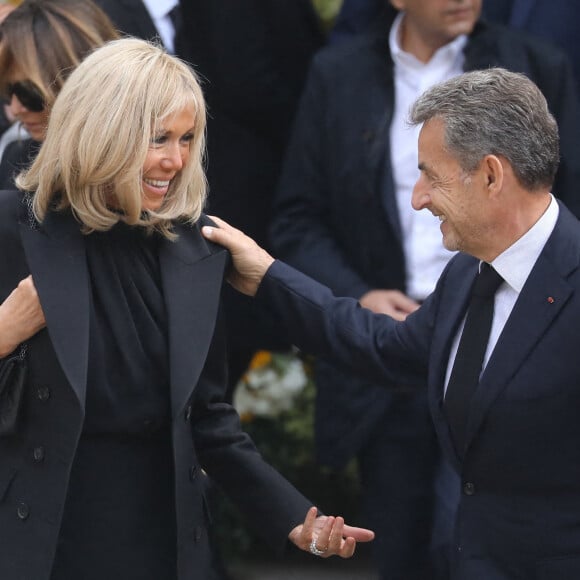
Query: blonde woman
116, 294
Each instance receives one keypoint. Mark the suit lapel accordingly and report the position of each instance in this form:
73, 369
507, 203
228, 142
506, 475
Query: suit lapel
192, 278
543, 297
56, 256
375, 133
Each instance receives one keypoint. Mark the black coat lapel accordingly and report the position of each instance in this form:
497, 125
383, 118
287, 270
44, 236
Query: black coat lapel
192, 278
375, 131
56, 256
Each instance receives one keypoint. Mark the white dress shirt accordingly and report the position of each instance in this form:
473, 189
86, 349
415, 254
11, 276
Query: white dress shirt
425, 256
514, 266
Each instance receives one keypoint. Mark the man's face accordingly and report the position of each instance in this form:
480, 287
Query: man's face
440, 21
448, 192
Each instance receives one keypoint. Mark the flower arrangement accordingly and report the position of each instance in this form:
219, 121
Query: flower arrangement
270, 386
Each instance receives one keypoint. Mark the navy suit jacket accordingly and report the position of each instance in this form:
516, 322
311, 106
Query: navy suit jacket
336, 217
519, 511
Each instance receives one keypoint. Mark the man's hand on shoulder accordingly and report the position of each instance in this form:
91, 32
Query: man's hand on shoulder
250, 261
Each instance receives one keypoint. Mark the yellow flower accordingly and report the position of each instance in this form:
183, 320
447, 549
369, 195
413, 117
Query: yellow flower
262, 358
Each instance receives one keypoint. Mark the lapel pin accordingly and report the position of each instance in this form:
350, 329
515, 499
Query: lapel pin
550, 300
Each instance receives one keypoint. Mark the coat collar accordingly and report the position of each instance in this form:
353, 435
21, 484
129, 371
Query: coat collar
532, 315
55, 252
540, 302
192, 273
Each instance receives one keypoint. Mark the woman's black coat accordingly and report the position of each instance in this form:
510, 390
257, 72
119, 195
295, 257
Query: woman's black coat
35, 462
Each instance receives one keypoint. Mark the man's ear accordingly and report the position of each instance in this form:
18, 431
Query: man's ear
493, 174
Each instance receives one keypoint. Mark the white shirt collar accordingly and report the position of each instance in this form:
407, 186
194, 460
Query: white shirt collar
159, 8
515, 264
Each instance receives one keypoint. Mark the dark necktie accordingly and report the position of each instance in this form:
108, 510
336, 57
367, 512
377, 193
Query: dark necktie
470, 353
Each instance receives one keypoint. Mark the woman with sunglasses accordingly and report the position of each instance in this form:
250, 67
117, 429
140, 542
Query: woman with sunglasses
41, 43
105, 276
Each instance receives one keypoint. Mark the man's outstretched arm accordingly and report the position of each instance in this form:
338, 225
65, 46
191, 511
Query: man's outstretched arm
338, 329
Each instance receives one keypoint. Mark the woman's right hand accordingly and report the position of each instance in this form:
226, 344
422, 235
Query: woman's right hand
21, 316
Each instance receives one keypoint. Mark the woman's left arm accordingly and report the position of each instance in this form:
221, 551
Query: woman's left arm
274, 507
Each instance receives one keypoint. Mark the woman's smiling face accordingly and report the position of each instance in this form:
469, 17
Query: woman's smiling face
168, 153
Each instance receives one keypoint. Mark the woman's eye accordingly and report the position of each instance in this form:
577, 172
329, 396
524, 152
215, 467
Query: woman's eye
187, 138
159, 140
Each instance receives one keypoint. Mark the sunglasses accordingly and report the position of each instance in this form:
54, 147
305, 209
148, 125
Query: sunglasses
28, 94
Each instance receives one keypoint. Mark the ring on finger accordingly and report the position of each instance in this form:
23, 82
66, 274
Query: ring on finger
314, 549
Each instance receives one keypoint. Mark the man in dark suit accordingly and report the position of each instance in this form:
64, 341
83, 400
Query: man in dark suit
488, 154
342, 215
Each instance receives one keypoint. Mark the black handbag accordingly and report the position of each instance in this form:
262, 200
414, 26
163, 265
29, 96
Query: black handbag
13, 371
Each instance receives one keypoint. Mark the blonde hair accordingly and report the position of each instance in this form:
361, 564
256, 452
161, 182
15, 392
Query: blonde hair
44, 40
99, 133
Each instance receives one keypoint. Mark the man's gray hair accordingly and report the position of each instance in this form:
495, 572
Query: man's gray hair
496, 112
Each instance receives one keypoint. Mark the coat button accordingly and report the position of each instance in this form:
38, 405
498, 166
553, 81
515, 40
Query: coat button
43, 393
23, 511
193, 472
38, 454
468, 488
188, 413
